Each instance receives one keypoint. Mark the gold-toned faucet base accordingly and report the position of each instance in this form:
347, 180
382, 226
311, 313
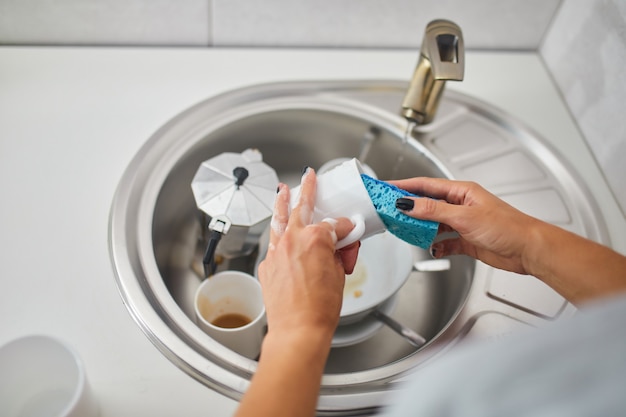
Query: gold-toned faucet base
442, 58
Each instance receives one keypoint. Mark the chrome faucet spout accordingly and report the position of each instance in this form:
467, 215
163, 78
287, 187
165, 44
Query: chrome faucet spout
442, 58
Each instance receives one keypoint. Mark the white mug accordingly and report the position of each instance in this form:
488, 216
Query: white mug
229, 308
328, 165
42, 376
341, 193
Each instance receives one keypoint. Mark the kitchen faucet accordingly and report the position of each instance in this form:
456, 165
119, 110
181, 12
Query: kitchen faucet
442, 58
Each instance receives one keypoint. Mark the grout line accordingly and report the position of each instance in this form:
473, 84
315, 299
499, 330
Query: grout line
550, 25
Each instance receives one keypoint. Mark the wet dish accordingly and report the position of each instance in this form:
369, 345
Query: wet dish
383, 266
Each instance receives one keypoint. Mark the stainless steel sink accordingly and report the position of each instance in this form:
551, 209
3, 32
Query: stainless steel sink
156, 237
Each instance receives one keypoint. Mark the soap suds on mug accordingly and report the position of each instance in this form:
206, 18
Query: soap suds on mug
279, 222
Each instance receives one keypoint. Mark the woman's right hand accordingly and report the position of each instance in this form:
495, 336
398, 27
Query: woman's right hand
494, 232
488, 228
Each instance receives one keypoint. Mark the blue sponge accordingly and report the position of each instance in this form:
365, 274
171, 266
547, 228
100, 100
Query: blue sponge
416, 232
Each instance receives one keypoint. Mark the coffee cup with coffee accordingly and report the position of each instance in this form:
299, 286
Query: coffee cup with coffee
229, 308
342, 193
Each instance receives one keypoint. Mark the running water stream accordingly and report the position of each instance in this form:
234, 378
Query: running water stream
368, 139
405, 140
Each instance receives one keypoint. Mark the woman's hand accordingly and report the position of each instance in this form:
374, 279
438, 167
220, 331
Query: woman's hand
302, 275
302, 278
488, 228
496, 233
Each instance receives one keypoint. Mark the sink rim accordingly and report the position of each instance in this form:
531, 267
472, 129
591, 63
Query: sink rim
143, 305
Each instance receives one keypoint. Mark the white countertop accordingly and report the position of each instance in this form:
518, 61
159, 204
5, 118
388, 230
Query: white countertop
71, 119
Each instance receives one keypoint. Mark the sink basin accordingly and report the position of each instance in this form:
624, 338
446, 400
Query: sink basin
156, 231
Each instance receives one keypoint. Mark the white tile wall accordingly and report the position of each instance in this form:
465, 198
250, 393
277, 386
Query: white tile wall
585, 50
491, 24
105, 22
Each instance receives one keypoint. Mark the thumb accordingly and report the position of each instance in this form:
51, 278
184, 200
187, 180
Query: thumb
425, 208
350, 253
343, 227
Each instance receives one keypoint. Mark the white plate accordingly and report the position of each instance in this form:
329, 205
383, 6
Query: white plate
383, 266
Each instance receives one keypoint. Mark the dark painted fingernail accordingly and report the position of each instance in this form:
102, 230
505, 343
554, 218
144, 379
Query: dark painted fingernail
278, 189
433, 252
404, 204
305, 169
